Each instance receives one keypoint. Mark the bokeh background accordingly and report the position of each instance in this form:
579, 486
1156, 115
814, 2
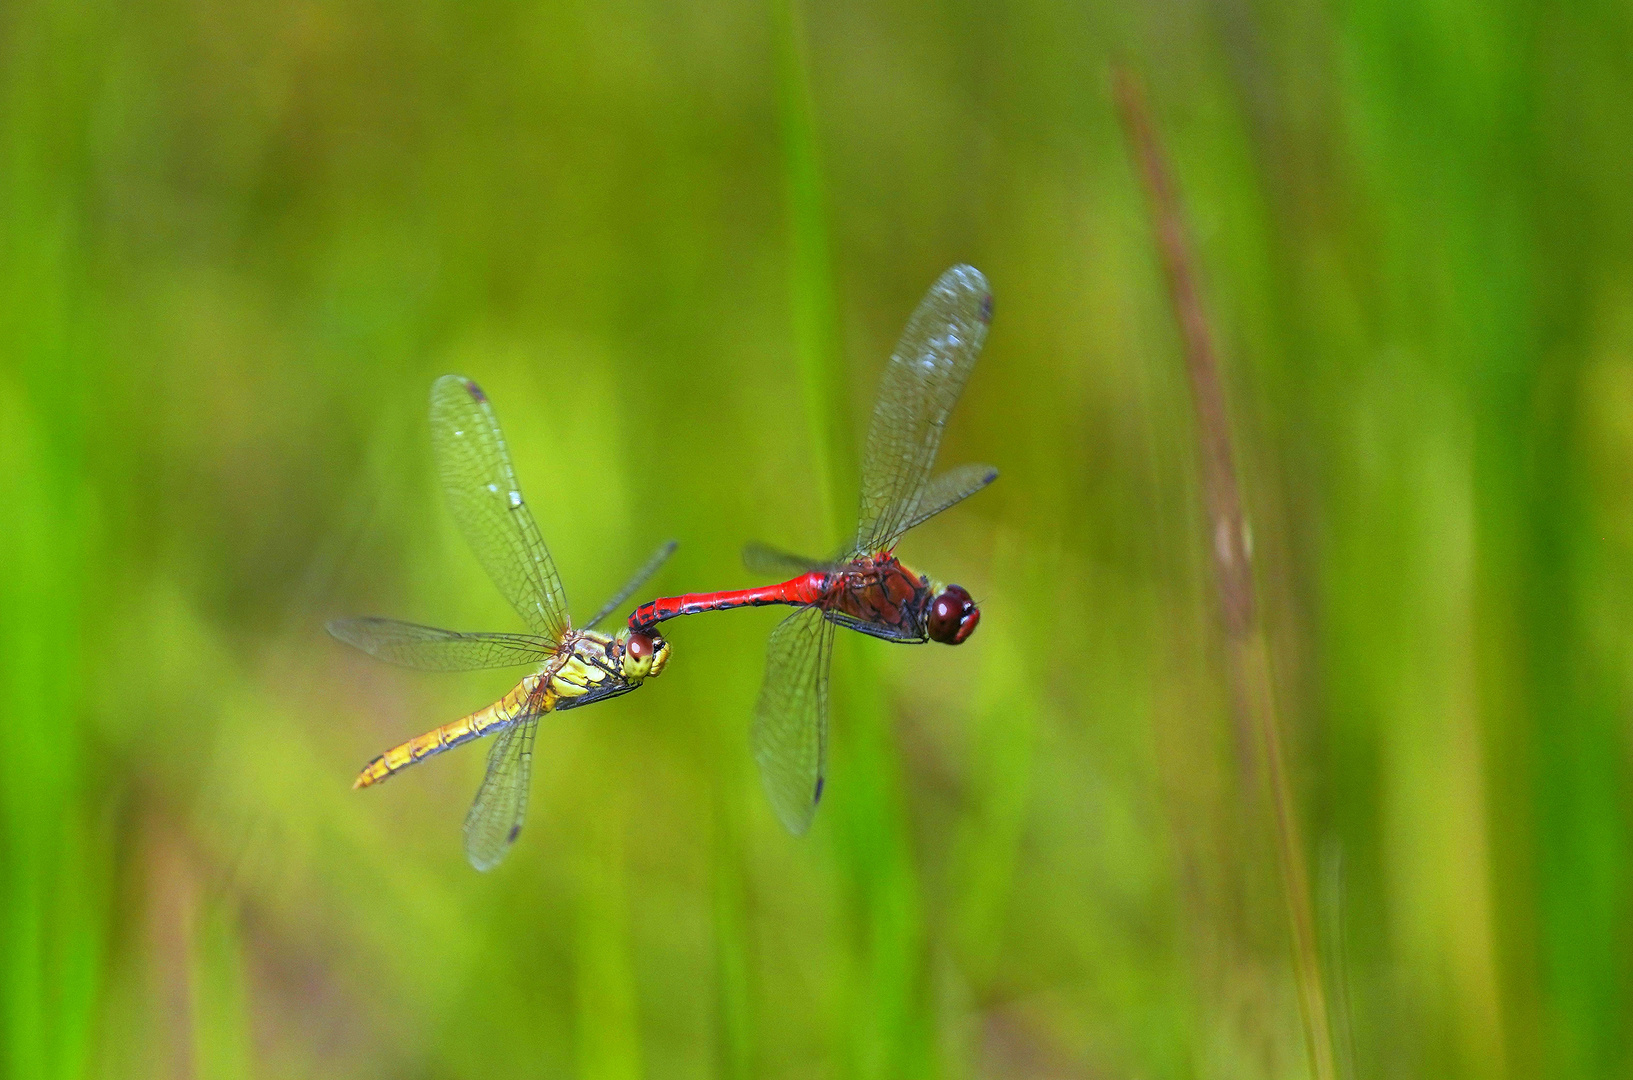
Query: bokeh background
675, 242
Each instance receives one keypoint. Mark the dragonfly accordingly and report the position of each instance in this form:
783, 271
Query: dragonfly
573, 666
865, 587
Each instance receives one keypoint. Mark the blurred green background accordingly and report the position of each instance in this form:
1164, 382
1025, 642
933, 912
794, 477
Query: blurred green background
675, 243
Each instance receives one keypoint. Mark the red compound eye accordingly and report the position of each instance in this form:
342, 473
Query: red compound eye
639, 647
953, 615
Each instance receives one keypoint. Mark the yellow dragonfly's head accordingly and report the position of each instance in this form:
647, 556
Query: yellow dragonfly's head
643, 653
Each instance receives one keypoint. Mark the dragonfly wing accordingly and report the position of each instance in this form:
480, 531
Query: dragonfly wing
495, 818
926, 373
791, 718
948, 489
772, 562
487, 504
430, 649
652, 566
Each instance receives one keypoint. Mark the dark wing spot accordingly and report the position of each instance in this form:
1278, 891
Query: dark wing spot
818, 796
990, 477
986, 308
515, 831
475, 391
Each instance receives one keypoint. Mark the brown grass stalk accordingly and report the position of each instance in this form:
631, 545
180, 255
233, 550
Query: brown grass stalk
1248, 655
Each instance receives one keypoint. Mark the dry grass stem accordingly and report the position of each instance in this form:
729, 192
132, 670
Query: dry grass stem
1248, 655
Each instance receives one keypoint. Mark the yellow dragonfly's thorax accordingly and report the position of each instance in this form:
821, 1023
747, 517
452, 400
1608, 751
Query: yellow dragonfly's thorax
589, 666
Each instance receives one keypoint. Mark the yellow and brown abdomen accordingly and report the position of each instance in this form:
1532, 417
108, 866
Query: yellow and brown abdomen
531, 695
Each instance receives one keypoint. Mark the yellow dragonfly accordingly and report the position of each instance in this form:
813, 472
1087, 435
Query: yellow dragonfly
574, 666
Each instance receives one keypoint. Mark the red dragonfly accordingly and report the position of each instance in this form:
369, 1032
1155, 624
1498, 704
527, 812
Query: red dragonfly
865, 587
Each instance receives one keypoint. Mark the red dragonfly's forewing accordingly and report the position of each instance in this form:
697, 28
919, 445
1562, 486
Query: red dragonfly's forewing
495, 818
921, 384
487, 504
430, 649
791, 717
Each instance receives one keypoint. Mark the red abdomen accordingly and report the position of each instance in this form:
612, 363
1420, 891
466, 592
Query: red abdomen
805, 589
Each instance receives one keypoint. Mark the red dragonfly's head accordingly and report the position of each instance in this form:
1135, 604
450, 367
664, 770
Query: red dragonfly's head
953, 616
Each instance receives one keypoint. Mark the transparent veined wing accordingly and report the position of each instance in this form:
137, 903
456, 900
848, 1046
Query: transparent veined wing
495, 818
651, 567
948, 489
921, 383
768, 561
430, 649
487, 504
790, 733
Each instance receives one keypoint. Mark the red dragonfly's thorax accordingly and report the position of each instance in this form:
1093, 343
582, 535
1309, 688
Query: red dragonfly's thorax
880, 591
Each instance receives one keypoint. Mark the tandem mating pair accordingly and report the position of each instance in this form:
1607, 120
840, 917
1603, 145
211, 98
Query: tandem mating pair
864, 587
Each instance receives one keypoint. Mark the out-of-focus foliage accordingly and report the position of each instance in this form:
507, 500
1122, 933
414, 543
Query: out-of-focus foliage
238, 241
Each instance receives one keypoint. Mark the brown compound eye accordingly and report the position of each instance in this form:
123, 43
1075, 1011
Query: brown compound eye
639, 651
953, 615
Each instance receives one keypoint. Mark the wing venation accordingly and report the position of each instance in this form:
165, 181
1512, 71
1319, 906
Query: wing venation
921, 384
495, 818
486, 501
427, 648
790, 733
